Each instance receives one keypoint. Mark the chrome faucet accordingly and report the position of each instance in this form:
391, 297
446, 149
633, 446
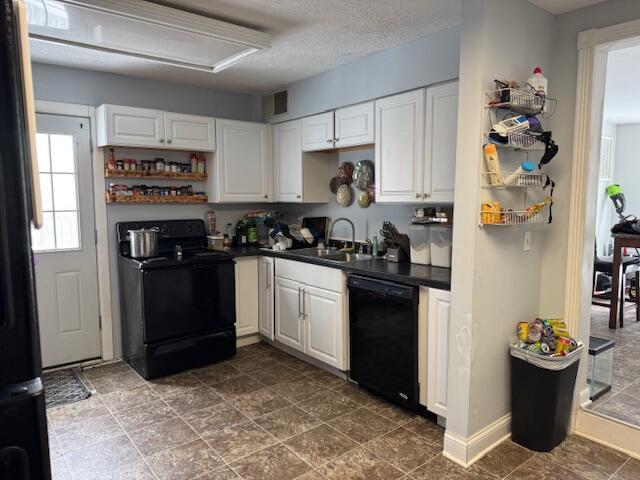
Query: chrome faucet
353, 231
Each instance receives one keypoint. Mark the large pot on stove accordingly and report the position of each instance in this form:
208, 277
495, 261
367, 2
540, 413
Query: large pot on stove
143, 242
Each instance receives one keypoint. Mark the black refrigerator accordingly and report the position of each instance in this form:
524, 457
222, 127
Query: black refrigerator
24, 449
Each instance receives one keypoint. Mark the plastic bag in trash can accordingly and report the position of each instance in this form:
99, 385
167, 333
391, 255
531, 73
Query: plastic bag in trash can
547, 362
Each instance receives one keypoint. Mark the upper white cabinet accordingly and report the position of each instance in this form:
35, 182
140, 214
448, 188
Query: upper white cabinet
399, 150
415, 151
354, 125
438, 332
441, 128
141, 127
266, 297
246, 282
317, 132
299, 177
189, 132
136, 127
243, 163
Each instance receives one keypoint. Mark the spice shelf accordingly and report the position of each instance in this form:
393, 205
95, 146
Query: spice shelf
155, 175
515, 180
155, 199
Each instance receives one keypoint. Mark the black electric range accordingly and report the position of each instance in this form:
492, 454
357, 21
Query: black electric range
177, 311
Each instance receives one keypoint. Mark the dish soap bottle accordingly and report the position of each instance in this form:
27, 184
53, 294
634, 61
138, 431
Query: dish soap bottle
375, 246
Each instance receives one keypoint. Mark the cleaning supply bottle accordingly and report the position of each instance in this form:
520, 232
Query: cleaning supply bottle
519, 177
538, 82
494, 172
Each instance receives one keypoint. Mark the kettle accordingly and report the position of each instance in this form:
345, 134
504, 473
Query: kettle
143, 242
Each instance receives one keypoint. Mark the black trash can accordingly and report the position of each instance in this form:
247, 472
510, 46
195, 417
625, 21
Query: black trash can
541, 397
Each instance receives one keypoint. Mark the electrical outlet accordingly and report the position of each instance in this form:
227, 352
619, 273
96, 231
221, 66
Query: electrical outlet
527, 242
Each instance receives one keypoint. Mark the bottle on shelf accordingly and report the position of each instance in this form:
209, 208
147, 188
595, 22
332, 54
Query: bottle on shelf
194, 163
111, 161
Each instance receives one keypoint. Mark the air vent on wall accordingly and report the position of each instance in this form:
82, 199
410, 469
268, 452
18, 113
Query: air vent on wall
606, 155
275, 104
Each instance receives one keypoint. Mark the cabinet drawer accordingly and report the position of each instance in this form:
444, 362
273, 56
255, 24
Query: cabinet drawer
313, 275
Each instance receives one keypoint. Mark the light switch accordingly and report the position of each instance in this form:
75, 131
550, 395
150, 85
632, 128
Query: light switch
527, 241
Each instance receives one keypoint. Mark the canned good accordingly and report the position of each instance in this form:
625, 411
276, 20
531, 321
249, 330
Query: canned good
535, 331
159, 165
563, 345
523, 331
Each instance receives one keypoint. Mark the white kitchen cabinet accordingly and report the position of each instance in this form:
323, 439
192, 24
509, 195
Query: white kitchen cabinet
266, 297
323, 319
189, 132
317, 132
399, 148
246, 281
354, 125
300, 177
243, 163
128, 126
288, 313
441, 126
438, 333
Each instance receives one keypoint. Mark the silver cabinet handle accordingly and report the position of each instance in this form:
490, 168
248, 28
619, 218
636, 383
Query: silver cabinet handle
162, 140
299, 307
169, 141
304, 304
418, 195
337, 139
329, 141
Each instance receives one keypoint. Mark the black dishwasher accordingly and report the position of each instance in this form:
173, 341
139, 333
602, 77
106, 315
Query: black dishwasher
383, 338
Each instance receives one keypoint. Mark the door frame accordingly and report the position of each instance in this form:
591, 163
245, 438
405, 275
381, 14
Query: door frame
593, 48
100, 218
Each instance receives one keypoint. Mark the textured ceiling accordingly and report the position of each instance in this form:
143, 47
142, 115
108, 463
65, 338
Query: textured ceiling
622, 99
308, 37
563, 6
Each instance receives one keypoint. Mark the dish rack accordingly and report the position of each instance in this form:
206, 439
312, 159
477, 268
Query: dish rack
514, 217
518, 141
516, 100
515, 179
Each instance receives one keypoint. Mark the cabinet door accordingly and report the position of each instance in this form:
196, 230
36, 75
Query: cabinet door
288, 313
317, 132
323, 315
246, 295
441, 127
354, 125
399, 149
287, 141
265, 297
243, 161
438, 330
136, 127
189, 132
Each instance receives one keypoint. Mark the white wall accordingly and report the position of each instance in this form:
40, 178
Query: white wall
495, 283
426, 61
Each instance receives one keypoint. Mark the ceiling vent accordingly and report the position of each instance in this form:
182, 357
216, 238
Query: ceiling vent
144, 30
275, 104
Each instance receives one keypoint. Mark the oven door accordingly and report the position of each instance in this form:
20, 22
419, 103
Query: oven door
187, 299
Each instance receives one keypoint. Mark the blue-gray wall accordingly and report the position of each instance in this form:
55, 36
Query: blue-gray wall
431, 59
86, 87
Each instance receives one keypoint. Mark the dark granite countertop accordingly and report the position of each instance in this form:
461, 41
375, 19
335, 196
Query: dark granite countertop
407, 273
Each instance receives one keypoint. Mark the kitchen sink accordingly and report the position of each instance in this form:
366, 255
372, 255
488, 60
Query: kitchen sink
333, 255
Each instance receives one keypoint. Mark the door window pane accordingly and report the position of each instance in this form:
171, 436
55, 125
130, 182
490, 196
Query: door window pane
59, 191
67, 235
44, 238
62, 157
64, 191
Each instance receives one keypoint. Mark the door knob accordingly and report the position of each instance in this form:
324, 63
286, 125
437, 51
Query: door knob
162, 140
169, 141
329, 141
418, 195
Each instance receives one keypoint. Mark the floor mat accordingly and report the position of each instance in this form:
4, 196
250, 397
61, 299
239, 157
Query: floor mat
62, 387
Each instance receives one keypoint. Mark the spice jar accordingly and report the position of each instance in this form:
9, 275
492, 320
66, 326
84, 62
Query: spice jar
159, 165
201, 165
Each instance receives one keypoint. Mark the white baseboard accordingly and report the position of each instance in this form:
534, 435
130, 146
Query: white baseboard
609, 432
248, 340
467, 451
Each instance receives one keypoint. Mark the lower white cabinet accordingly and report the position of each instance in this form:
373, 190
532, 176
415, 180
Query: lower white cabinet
311, 318
438, 330
246, 277
265, 297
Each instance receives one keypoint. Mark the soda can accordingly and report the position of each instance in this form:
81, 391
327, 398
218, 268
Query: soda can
535, 331
563, 345
544, 348
523, 331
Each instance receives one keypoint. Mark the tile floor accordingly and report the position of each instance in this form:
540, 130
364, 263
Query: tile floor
267, 415
623, 402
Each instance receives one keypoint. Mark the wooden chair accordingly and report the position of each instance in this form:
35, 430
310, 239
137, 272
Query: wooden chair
604, 264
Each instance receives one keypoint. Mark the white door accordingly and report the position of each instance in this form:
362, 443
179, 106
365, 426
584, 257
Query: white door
438, 331
287, 142
441, 128
322, 311
134, 127
317, 132
399, 149
265, 297
354, 125
246, 277
243, 161
65, 249
189, 132
288, 313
